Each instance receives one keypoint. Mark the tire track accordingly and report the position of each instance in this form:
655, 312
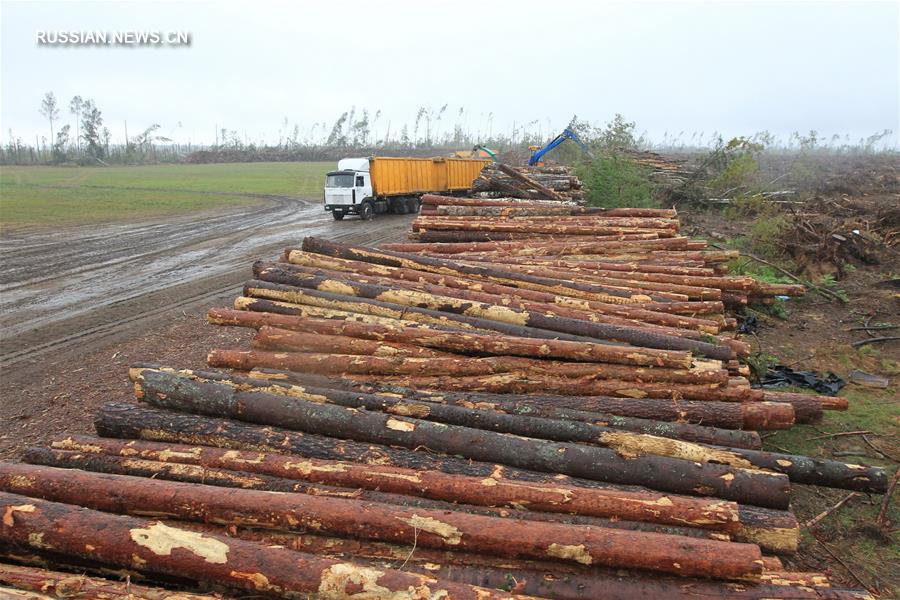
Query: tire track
112, 289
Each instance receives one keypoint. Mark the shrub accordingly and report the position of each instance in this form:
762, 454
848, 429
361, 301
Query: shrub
615, 181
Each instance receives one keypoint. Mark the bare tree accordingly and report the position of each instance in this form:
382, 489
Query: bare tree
50, 110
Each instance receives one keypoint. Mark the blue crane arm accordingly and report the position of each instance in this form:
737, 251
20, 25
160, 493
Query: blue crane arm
567, 134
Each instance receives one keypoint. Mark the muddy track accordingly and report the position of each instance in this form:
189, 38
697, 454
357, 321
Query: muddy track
67, 290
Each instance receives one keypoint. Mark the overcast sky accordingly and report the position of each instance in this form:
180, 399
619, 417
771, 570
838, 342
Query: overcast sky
731, 67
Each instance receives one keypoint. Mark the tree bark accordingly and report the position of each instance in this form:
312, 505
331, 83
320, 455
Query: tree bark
800, 469
679, 555
82, 587
155, 547
136, 422
501, 403
657, 472
275, 472
153, 381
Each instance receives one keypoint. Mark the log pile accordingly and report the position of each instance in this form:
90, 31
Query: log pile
553, 183
546, 415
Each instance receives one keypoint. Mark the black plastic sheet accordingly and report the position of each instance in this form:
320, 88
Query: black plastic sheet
779, 376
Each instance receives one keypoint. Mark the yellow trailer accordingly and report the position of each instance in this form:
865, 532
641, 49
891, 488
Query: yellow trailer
366, 186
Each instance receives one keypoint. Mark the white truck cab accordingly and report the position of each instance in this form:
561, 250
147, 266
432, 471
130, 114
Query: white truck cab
355, 189
349, 189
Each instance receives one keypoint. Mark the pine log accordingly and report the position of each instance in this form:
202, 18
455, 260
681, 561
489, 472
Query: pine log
137, 422
162, 382
731, 415
549, 580
457, 341
278, 339
644, 506
799, 469
115, 465
575, 264
658, 472
437, 200
518, 406
327, 279
442, 305
155, 547
598, 227
298, 356
545, 245
625, 311
304, 302
350, 365
13, 594
679, 555
191, 473
808, 403
529, 181
82, 587
445, 267
516, 382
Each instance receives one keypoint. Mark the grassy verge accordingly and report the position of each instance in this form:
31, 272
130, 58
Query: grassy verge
55, 196
868, 551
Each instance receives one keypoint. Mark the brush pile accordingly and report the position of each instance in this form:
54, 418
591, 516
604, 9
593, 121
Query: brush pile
557, 413
553, 183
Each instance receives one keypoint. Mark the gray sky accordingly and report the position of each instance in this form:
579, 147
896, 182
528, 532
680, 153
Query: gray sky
731, 67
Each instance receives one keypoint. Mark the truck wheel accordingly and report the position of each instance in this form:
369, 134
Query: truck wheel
365, 211
338, 216
413, 205
400, 207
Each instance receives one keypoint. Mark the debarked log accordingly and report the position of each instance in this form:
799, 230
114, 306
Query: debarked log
443, 305
436, 529
156, 547
309, 259
305, 350
521, 383
458, 341
280, 339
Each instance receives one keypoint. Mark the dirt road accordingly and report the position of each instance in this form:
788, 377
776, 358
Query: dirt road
67, 290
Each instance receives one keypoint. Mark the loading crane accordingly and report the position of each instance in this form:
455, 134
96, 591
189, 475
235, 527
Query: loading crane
567, 134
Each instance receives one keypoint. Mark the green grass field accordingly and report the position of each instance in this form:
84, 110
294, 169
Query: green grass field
53, 196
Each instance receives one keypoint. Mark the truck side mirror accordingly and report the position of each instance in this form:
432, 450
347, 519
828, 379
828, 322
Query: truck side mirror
360, 181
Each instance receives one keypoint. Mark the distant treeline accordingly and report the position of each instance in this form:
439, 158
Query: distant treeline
88, 141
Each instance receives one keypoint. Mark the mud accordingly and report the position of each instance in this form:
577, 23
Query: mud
66, 290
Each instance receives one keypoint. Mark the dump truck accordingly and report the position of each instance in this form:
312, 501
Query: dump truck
367, 186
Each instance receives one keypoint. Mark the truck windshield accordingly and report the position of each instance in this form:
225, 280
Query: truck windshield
341, 180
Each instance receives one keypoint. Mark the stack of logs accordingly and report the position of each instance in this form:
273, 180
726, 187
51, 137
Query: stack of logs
553, 183
557, 414
626, 251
